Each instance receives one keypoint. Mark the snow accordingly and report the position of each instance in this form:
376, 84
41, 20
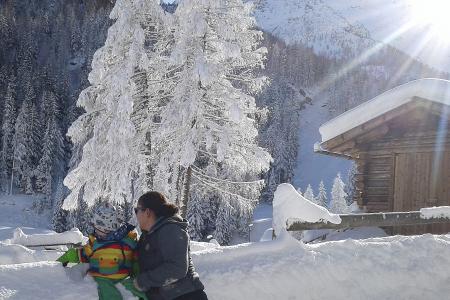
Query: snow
355, 234
339, 28
262, 222
435, 212
73, 236
17, 209
374, 268
315, 24
431, 89
311, 168
380, 268
17, 254
289, 204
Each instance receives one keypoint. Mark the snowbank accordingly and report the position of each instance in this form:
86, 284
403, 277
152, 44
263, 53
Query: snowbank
289, 204
201, 246
396, 267
435, 90
435, 212
74, 236
17, 254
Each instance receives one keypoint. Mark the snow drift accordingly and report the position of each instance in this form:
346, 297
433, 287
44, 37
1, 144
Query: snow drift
289, 204
381, 268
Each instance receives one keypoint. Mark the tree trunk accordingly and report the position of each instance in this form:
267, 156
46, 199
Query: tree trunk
187, 185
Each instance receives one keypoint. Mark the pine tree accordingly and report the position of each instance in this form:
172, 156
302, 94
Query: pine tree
51, 163
209, 213
322, 198
83, 214
309, 193
195, 217
9, 117
50, 106
224, 223
26, 141
338, 202
208, 125
109, 138
350, 186
60, 217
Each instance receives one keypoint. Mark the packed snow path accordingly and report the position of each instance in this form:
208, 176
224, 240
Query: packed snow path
396, 267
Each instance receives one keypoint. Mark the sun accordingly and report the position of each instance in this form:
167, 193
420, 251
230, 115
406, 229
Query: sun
433, 14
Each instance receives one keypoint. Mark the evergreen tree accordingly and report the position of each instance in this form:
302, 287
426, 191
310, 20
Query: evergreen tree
309, 193
195, 217
111, 152
60, 216
9, 117
322, 198
338, 202
26, 141
50, 106
83, 214
208, 125
224, 223
51, 163
209, 213
350, 186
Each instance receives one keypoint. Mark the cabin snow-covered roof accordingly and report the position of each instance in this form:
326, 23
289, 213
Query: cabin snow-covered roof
431, 89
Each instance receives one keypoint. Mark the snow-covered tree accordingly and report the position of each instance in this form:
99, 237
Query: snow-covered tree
195, 217
309, 193
60, 220
111, 155
299, 190
26, 141
208, 125
322, 198
338, 202
50, 106
51, 163
350, 186
210, 208
225, 223
9, 118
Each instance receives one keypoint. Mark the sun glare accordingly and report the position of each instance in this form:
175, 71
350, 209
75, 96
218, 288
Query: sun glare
433, 14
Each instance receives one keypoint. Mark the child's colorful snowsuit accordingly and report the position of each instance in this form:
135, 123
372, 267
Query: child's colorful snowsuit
110, 262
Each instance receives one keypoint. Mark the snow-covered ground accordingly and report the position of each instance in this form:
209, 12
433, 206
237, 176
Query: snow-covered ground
312, 167
381, 268
396, 267
16, 210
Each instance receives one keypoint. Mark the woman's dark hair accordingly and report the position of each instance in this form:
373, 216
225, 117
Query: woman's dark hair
158, 203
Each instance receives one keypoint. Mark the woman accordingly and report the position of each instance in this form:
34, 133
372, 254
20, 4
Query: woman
166, 269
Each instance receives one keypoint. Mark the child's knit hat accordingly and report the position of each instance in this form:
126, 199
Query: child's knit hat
107, 218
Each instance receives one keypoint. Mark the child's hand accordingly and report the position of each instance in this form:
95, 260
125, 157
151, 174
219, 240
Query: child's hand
71, 256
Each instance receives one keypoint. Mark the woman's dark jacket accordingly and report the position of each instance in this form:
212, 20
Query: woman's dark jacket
166, 269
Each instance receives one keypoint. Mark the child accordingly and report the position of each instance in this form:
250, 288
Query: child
110, 252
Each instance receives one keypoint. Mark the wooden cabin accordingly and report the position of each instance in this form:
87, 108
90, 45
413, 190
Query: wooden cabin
400, 142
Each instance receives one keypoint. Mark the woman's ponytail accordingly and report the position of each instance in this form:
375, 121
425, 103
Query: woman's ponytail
158, 203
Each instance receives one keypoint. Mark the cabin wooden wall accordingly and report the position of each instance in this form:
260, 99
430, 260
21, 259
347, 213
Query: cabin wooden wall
403, 174
374, 182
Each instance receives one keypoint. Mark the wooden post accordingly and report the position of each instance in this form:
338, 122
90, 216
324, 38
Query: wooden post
368, 220
187, 184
